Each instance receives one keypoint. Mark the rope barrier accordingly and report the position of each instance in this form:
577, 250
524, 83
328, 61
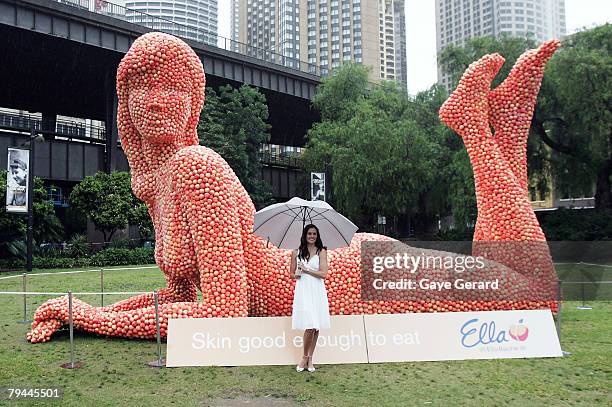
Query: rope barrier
75, 293
587, 282
80, 271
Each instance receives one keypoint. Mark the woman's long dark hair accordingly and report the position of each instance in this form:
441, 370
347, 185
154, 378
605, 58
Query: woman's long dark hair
303, 252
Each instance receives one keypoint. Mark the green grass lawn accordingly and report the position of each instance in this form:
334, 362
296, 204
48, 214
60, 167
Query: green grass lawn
115, 372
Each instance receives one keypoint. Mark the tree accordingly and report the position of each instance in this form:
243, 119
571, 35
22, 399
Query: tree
47, 227
382, 159
107, 200
139, 216
571, 122
575, 114
234, 124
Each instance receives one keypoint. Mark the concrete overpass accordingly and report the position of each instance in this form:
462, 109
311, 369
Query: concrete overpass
61, 59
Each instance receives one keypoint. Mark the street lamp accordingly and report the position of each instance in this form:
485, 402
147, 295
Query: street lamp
34, 138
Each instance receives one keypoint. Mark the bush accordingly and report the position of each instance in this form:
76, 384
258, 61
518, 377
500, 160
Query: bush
121, 257
120, 243
59, 262
12, 264
78, 246
103, 258
577, 224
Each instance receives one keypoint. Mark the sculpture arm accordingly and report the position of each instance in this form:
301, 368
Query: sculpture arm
212, 212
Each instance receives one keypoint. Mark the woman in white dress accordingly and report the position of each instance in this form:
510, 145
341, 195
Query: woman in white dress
310, 304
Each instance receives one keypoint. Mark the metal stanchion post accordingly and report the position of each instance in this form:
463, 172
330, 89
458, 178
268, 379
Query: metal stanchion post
25, 301
72, 364
583, 306
559, 316
159, 362
101, 287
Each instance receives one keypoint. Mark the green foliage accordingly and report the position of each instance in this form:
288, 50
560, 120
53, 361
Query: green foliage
139, 216
107, 257
122, 256
47, 227
571, 124
575, 113
234, 124
78, 246
577, 225
384, 147
107, 200
121, 243
347, 84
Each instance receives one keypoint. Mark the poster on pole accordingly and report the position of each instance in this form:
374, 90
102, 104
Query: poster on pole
17, 180
317, 186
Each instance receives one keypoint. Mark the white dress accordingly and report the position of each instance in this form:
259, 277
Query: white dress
310, 304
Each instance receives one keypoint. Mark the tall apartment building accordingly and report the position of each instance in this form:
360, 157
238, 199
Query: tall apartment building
459, 20
195, 19
326, 33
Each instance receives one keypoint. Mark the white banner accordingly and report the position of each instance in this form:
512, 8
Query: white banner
364, 338
18, 166
248, 341
317, 186
461, 335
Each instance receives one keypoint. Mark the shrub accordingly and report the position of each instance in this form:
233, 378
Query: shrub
78, 246
103, 258
120, 243
59, 262
577, 224
120, 257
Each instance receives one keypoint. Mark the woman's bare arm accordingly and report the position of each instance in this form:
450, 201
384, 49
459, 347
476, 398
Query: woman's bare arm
322, 272
293, 266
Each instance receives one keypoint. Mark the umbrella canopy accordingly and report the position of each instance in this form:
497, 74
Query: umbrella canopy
282, 223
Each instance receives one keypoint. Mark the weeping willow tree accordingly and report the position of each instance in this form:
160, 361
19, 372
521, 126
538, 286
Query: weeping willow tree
383, 161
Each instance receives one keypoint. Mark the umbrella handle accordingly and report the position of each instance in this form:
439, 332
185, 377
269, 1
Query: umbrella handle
268, 242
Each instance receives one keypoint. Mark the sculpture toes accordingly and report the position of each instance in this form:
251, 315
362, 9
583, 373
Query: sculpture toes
547, 49
468, 103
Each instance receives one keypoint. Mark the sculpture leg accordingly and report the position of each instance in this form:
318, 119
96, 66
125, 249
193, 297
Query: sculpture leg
137, 323
511, 107
504, 212
178, 290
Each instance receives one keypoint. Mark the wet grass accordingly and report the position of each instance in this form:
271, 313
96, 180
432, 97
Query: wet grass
115, 371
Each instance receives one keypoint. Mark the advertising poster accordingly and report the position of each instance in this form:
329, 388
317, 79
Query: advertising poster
17, 180
317, 186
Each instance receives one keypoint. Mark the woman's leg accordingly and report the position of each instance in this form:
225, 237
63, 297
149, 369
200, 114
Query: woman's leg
307, 341
313, 344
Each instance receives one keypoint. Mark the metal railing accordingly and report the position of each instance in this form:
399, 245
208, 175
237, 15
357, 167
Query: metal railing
63, 127
281, 159
193, 33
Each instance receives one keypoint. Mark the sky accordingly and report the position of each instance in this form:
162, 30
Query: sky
421, 33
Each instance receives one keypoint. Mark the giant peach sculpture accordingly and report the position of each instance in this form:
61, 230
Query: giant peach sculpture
203, 217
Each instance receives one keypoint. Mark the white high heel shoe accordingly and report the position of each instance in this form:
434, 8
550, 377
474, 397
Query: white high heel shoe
311, 369
300, 369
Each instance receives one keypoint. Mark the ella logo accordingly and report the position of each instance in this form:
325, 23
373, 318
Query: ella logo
519, 332
474, 333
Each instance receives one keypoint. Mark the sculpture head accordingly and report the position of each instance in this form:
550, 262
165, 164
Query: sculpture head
160, 86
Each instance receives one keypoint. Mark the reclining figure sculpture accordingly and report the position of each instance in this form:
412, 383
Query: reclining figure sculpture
203, 216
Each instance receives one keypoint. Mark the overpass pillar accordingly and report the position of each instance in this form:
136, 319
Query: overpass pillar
49, 121
111, 121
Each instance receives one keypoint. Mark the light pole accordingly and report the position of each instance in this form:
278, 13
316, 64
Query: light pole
34, 138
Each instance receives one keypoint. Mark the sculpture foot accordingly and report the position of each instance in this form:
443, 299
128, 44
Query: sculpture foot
42, 331
466, 109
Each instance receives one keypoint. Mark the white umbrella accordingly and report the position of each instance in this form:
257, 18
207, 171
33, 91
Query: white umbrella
282, 223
